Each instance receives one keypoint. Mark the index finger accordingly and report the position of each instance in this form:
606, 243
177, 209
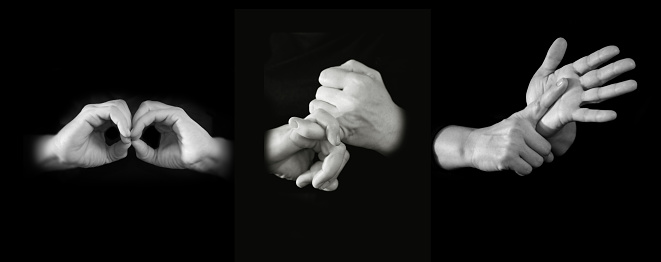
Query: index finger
109, 112
147, 106
166, 116
358, 67
329, 123
123, 107
335, 77
537, 143
595, 59
332, 163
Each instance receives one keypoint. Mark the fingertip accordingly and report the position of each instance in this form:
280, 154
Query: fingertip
549, 158
293, 123
614, 49
302, 181
612, 115
332, 186
633, 63
323, 186
562, 82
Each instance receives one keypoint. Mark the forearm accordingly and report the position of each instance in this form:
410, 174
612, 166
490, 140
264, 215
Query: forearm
561, 140
218, 160
394, 137
450, 147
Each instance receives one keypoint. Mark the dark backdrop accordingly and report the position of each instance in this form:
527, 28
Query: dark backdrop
128, 205
381, 209
600, 191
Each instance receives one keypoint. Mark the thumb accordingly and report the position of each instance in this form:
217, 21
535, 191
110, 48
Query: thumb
143, 151
539, 107
118, 150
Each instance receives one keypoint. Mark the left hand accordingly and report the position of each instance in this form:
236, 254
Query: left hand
584, 81
290, 151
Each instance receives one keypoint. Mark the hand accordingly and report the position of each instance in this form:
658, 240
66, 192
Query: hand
184, 143
355, 95
290, 151
584, 81
81, 143
513, 143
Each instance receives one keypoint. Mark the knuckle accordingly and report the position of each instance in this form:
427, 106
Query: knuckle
360, 80
351, 62
323, 75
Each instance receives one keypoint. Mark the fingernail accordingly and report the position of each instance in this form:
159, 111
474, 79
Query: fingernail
324, 185
338, 140
293, 123
561, 82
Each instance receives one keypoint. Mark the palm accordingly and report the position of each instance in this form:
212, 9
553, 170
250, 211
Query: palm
561, 112
294, 165
85, 145
168, 153
584, 81
90, 152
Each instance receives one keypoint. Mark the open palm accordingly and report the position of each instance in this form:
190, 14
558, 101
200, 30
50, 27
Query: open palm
584, 86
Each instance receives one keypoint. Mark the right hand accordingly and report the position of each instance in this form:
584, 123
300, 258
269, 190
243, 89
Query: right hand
290, 151
81, 143
513, 144
356, 95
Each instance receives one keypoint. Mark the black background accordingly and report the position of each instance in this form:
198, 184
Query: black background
382, 207
598, 198
127, 206
597, 194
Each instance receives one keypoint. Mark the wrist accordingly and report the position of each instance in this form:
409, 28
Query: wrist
46, 154
394, 135
468, 148
454, 146
217, 159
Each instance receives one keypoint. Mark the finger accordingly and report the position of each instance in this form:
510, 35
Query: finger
537, 143
531, 157
147, 106
335, 77
333, 183
143, 151
599, 77
165, 116
358, 67
592, 115
595, 59
539, 107
307, 128
329, 95
600, 94
306, 178
118, 151
549, 158
123, 107
330, 166
332, 186
520, 166
554, 55
329, 123
319, 104
99, 113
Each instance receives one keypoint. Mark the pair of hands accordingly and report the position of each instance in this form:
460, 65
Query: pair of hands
184, 144
352, 106
555, 99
